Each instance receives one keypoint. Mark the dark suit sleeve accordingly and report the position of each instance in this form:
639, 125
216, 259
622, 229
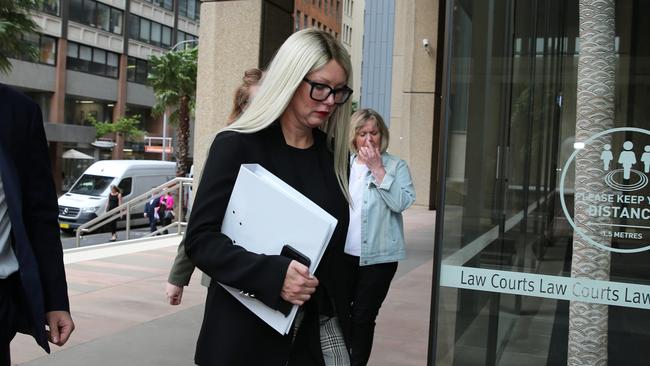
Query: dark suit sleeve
213, 252
40, 211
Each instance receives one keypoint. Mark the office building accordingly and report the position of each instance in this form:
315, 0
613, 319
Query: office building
93, 64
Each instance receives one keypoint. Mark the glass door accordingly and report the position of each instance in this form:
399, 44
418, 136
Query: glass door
542, 254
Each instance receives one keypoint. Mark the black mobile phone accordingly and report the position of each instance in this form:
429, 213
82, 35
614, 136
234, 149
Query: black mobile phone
291, 252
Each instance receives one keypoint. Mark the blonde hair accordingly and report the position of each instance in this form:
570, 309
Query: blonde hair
302, 53
359, 119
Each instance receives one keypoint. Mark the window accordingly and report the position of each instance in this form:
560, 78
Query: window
156, 33
166, 4
134, 27
182, 7
92, 60
149, 31
137, 70
91, 185
189, 8
50, 7
167, 36
85, 57
88, 16
103, 15
141, 71
76, 10
116, 21
45, 47
112, 64
182, 36
145, 30
125, 186
97, 15
73, 49
98, 66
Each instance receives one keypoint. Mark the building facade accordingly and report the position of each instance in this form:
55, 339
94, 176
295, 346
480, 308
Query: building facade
321, 14
93, 65
352, 28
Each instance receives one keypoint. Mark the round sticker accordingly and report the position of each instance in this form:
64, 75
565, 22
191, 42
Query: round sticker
623, 212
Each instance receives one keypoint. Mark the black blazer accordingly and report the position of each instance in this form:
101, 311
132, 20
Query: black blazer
232, 335
150, 208
32, 208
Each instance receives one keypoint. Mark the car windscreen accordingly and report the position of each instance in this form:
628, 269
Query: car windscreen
91, 185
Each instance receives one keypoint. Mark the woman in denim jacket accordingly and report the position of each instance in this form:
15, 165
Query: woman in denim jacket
381, 188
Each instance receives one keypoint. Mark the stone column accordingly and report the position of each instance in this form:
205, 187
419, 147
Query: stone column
57, 111
413, 97
119, 110
234, 36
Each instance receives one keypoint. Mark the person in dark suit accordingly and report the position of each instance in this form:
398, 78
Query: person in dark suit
150, 212
33, 287
296, 127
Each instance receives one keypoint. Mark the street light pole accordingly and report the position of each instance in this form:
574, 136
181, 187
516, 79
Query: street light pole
164, 134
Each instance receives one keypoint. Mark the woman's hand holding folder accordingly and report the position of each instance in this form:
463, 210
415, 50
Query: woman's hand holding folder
299, 284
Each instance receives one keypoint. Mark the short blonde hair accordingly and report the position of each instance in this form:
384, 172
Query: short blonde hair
359, 119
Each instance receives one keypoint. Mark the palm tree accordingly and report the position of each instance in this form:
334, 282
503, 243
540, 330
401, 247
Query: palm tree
14, 23
173, 78
595, 113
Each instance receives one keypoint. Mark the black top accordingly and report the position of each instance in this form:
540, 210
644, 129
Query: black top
230, 334
113, 201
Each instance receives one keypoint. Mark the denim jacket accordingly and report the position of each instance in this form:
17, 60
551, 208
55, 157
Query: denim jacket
382, 229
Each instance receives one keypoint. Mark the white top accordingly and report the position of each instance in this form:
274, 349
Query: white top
357, 187
8, 261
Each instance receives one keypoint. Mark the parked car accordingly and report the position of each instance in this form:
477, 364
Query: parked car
87, 198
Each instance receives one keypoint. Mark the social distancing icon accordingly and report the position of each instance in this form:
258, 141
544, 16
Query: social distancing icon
621, 211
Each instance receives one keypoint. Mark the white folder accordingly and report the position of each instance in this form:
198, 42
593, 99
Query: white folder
264, 213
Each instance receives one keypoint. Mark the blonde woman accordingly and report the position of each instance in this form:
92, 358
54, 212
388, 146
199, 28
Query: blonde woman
381, 189
296, 127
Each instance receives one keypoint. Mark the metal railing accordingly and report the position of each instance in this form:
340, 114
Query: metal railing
179, 188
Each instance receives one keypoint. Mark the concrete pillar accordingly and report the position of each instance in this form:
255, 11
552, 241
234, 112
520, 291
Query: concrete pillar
57, 111
234, 36
119, 110
413, 97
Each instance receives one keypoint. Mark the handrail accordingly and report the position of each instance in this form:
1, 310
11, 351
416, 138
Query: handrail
178, 185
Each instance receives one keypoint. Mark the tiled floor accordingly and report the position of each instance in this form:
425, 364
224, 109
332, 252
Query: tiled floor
119, 309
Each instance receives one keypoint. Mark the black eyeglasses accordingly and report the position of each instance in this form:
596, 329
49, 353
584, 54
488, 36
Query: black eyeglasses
320, 92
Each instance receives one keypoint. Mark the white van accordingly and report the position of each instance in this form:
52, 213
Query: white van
87, 197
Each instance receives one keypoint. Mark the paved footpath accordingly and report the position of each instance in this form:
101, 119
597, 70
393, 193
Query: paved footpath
118, 305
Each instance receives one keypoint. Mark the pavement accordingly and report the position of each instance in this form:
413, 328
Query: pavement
122, 318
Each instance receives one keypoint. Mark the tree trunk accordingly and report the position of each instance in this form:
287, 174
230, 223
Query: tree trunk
595, 113
183, 137
118, 149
